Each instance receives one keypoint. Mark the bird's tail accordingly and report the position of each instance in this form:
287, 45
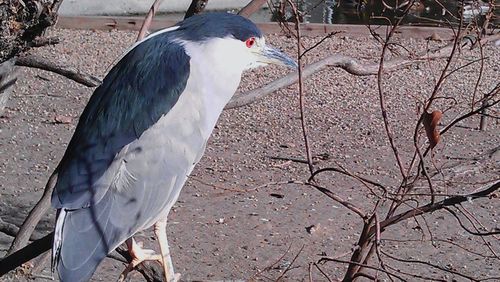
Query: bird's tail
56, 246
82, 239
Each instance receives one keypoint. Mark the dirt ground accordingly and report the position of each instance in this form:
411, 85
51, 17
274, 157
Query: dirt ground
238, 215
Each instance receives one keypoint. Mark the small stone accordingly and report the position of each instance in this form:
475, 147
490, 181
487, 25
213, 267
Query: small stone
312, 228
60, 119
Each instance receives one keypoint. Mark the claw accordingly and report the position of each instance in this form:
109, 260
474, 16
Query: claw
138, 255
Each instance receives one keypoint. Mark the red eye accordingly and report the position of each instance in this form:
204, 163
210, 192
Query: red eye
250, 42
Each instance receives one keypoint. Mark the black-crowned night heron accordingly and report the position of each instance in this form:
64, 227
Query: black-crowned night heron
142, 133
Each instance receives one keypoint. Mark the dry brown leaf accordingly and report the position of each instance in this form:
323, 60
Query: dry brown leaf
430, 122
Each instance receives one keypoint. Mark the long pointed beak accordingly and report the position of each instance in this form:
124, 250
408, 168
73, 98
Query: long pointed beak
270, 55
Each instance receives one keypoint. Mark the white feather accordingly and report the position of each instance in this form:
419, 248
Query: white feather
56, 247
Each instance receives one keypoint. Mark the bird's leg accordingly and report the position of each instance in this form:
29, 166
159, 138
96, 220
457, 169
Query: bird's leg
168, 267
138, 255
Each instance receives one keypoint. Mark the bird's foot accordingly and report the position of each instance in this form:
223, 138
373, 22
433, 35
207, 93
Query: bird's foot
138, 255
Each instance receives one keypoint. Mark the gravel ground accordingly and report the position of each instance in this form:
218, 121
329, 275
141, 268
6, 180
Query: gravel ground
231, 221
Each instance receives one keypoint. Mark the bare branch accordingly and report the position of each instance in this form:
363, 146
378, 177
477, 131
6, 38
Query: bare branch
151, 271
196, 7
431, 265
251, 8
271, 265
147, 21
476, 233
425, 278
12, 230
473, 219
25, 254
385, 118
448, 241
363, 180
455, 46
301, 90
43, 41
339, 200
325, 259
291, 264
322, 272
319, 43
437, 206
33, 61
484, 106
34, 216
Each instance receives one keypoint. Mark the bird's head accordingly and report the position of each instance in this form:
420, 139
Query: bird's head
229, 39
262, 54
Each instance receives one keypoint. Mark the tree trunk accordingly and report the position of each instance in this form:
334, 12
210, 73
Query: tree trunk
21, 22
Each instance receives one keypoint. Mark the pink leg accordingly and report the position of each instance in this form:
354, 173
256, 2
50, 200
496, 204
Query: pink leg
161, 235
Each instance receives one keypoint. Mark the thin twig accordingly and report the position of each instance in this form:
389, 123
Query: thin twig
243, 190
291, 264
339, 200
322, 260
451, 124
437, 206
301, 89
476, 233
252, 7
322, 272
448, 241
431, 265
430, 100
468, 215
295, 160
147, 21
319, 43
267, 268
425, 278
388, 129
344, 171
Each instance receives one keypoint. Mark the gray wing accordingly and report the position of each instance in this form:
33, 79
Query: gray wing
137, 92
141, 88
